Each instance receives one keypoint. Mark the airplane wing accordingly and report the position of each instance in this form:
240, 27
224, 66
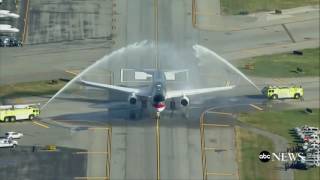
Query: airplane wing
180, 93
108, 86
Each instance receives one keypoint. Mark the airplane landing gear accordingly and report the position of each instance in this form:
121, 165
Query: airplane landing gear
172, 105
132, 115
158, 115
185, 112
144, 104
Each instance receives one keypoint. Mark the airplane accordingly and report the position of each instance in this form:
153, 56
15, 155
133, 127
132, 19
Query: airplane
8, 28
6, 13
157, 92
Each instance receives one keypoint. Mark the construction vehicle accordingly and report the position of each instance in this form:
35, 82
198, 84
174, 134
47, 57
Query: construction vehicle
11, 113
276, 92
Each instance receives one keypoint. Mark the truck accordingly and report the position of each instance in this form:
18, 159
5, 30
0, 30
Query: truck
11, 113
278, 92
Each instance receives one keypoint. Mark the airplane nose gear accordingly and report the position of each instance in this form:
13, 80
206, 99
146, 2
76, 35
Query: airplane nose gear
172, 105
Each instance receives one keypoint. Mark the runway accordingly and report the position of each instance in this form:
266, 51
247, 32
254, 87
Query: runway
134, 153
132, 21
180, 150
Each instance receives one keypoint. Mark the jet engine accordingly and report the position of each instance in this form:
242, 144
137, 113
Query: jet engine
132, 99
184, 101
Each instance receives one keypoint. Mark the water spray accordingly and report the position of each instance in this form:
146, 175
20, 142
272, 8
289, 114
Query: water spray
200, 50
105, 58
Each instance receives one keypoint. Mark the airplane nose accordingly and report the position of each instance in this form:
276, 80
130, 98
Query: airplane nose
159, 106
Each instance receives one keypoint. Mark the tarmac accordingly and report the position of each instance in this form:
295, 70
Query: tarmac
31, 159
133, 142
24, 163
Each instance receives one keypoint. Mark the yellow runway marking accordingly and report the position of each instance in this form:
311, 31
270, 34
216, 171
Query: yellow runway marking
276, 80
202, 142
256, 107
155, 3
157, 65
49, 150
91, 152
251, 51
71, 72
217, 125
212, 148
158, 147
195, 107
204, 13
194, 18
99, 128
91, 177
280, 81
204, 149
25, 27
39, 124
222, 113
220, 174
19, 101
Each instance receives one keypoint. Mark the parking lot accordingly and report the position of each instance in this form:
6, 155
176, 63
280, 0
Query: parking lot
7, 41
73, 155
308, 146
25, 163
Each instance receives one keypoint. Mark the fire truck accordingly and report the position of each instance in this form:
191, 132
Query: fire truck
11, 113
276, 92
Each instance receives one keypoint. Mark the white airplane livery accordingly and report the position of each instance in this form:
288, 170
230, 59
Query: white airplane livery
157, 93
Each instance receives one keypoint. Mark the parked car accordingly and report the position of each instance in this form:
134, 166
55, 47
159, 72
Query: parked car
13, 135
312, 150
313, 138
310, 146
1, 43
4, 41
13, 42
9, 42
8, 143
306, 134
311, 161
314, 153
306, 128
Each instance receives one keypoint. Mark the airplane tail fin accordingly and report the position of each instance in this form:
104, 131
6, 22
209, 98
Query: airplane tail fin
171, 75
143, 74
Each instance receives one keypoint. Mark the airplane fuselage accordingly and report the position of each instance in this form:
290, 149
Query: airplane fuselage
159, 91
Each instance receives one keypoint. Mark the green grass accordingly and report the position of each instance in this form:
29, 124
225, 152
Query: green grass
37, 88
283, 65
249, 146
236, 6
310, 174
280, 123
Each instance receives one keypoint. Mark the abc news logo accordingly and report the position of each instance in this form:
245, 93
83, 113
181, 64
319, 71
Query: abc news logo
265, 156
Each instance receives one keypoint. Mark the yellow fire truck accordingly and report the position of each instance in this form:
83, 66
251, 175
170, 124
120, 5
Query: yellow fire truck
11, 113
276, 92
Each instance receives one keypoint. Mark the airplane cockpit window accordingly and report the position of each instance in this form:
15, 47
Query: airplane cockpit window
158, 87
